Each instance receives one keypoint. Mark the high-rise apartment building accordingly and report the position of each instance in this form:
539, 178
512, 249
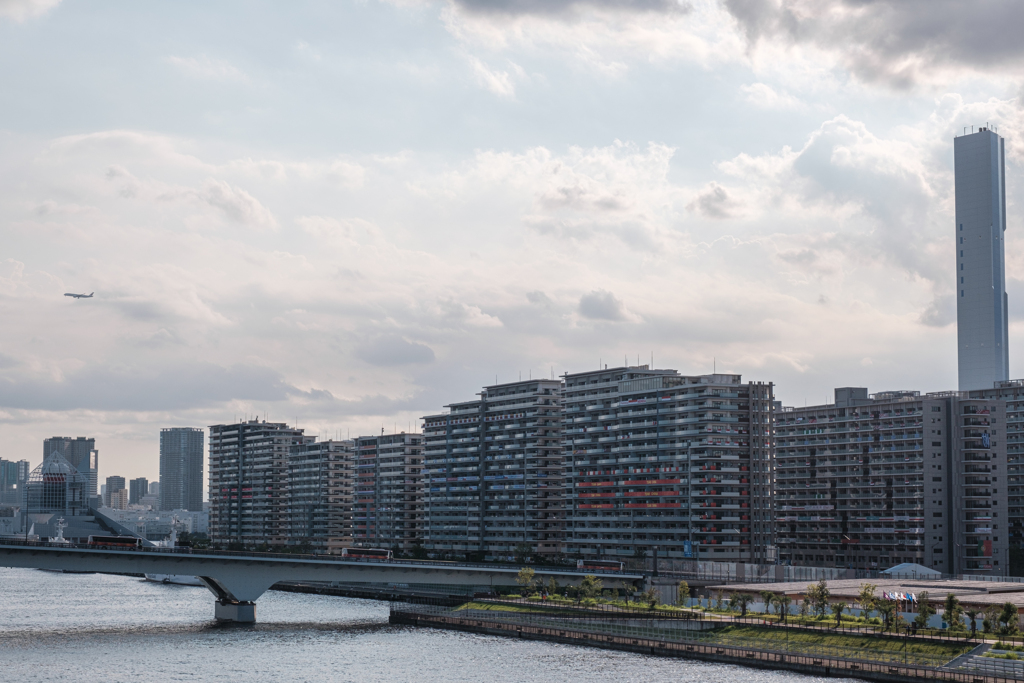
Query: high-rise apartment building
870, 482
320, 494
981, 312
658, 462
81, 453
1012, 392
154, 488
249, 482
137, 489
387, 505
181, 469
493, 473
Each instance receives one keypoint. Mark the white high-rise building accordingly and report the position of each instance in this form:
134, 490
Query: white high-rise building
981, 310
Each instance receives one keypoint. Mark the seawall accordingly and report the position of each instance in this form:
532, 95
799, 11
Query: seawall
761, 659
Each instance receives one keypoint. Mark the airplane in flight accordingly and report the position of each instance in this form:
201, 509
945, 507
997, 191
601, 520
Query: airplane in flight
79, 296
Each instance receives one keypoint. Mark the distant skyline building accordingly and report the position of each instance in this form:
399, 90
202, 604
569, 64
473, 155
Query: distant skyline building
113, 485
181, 469
56, 487
981, 305
81, 453
137, 489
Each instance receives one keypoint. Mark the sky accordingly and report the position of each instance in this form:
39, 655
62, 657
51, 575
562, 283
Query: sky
345, 215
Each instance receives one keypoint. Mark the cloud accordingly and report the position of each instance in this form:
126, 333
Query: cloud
20, 10
172, 386
763, 96
713, 201
205, 68
391, 350
602, 305
560, 7
896, 42
236, 203
501, 83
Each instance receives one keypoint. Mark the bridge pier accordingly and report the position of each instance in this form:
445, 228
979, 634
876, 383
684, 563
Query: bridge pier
238, 612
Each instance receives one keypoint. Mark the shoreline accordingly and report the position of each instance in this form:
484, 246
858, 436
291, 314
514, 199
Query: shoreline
832, 667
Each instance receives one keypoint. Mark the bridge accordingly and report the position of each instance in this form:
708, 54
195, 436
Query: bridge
238, 579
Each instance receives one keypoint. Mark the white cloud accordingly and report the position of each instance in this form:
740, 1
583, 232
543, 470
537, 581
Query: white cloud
20, 10
501, 83
763, 96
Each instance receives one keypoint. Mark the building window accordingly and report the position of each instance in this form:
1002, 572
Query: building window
961, 293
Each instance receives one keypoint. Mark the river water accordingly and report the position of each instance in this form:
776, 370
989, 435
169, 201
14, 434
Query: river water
89, 627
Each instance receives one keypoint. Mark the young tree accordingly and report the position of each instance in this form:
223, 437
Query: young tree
991, 619
682, 593
972, 619
805, 607
783, 603
525, 579
590, 587
741, 600
1008, 619
866, 598
924, 610
888, 610
953, 613
768, 598
650, 596
837, 609
552, 586
821, 596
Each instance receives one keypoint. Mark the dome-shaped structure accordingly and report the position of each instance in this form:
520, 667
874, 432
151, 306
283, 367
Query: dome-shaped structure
57, 487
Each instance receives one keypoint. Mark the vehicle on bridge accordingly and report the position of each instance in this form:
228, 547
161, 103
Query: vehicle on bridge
366, 553
116, 541
602, 565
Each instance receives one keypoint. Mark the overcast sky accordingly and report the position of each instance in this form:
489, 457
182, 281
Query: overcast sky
348, 214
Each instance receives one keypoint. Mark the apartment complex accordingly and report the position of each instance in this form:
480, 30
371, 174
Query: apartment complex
873, 481
658, 462
493, 473
387, 507
249, 482
320, 494
1012, 392
181, 469
81, 453
981, 313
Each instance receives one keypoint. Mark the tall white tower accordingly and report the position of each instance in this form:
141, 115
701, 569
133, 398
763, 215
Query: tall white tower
981, 310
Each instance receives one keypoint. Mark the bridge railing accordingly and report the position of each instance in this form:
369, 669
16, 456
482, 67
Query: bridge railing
539, 569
